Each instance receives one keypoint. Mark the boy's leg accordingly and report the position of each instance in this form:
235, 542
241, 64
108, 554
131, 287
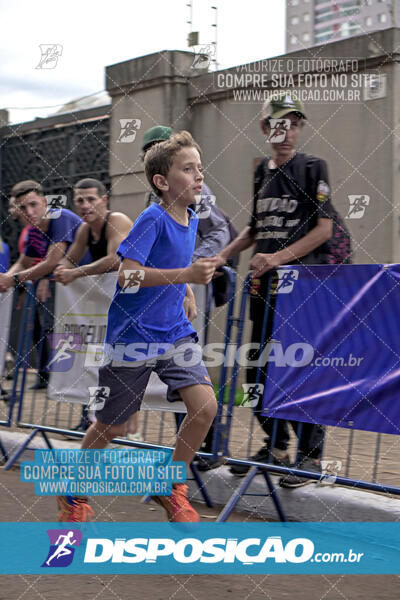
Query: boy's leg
201, 408
186, 378
126, 386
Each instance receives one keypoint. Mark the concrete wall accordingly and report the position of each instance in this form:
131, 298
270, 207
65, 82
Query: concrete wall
357, 139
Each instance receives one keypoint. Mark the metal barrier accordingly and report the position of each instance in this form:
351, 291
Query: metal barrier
237, 417
37, 412
43, 416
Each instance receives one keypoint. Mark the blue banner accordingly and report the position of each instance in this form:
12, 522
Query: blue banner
199, 548
334, 358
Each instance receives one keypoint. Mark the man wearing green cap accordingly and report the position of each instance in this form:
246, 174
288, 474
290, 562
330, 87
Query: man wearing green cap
290, 224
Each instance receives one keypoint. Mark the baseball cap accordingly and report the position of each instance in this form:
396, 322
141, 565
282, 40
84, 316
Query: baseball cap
155, 134
280, 105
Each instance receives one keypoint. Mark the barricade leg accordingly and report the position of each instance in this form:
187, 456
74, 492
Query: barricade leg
237, 494
3, 451
201, 486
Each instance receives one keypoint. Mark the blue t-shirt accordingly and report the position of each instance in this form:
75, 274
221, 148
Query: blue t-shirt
152, 315
61, 229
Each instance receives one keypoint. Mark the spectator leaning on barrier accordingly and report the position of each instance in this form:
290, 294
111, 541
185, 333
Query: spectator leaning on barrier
51, 232
101, 232
156, 264
290, 223
213, 234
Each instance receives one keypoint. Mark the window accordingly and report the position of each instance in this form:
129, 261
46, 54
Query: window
382, 18
295, 2
368, 2
293, 40
306, 37
294, 20
368, 21
306, 17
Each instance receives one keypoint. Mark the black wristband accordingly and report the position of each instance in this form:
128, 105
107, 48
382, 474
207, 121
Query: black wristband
16, 279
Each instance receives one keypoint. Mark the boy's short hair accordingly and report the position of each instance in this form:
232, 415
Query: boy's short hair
88, 182
159, 158
24, 187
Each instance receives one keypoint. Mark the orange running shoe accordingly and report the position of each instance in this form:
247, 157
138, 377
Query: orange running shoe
74, 510
177, 505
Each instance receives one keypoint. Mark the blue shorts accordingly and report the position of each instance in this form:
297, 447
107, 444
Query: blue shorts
180, 367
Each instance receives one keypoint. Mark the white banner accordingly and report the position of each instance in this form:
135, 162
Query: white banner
80, 319
6, 300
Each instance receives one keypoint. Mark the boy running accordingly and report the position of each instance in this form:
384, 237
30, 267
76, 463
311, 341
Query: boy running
157, 254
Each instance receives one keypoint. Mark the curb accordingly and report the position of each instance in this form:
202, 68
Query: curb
312, 502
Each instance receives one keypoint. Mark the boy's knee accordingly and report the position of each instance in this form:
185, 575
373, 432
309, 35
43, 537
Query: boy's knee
210, 409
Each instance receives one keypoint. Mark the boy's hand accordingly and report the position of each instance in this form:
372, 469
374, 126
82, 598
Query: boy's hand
189, 306
201, 271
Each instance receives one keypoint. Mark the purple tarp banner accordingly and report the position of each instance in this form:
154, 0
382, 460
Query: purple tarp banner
334, 358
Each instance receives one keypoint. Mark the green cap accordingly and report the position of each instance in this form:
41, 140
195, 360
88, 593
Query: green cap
155, 134
280, 105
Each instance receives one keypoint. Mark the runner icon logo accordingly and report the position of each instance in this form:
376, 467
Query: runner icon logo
55, 202
63, 347
50, 54
203, 57
283, 281
358, 204
252, 392
62, 547
203, 205
129, 128
279, 127
98, 396
133, 277
330, 470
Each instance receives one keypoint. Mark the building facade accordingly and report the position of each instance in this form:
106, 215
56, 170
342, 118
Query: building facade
314, 22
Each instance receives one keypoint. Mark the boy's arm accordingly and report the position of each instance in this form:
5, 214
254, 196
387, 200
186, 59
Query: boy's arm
261, 263
131, 271
189, 304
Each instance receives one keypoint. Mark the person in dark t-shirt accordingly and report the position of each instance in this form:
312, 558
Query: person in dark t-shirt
291, 222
